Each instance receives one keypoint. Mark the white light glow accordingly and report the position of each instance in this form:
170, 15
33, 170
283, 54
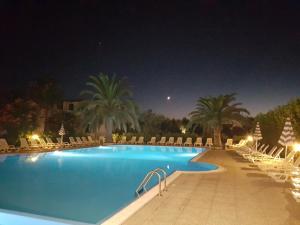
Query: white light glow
296, 147
35, 137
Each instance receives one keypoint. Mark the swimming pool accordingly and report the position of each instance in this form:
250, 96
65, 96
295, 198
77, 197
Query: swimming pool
87, 185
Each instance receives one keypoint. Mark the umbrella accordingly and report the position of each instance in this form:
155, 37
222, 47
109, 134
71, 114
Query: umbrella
257, 134
287, 137
62, 132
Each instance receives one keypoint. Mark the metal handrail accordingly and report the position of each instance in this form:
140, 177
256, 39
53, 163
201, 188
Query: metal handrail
165, 176
147, 178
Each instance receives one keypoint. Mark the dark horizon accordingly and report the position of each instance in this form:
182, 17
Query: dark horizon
183, 50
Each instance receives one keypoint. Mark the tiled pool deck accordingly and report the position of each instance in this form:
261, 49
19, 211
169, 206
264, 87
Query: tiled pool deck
242, 195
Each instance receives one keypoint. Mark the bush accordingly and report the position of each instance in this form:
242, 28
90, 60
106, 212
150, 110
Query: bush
272, 122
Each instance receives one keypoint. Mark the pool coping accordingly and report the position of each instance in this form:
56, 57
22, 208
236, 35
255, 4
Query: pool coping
121, 216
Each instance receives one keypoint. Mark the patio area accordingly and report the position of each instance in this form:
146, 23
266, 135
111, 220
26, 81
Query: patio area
242, 195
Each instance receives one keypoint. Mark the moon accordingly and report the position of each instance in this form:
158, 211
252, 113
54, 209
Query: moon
169, 98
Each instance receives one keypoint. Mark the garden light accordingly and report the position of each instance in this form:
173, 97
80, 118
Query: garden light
296, 147
35, 137
250, 138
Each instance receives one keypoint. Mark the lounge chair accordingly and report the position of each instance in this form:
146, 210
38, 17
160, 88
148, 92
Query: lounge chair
73, 142
44, 144
162, 141
277, 163
102, 140
261, 150
90, 139
24, 144
229, 143
59, 142
85, 141
261, 161
140, 141
80, 142
241, 143
170, 141
35, 144
50, 142
262, 156
282, 175
132, 141
123, 140
209, 142
178, 141
188, 142
152, 141
198, 142
5, 147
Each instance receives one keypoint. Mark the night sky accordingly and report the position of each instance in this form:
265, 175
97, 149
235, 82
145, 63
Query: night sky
182, 49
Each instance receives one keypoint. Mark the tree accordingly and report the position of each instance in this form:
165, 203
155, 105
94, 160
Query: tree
70, 120
17, 118
272, 122
109, 105
213, 112
46, 94
151, 123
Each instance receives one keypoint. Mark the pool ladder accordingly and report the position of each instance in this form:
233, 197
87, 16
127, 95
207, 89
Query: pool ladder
158, 171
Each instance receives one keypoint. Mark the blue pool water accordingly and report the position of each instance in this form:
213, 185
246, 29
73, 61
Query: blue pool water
87, 185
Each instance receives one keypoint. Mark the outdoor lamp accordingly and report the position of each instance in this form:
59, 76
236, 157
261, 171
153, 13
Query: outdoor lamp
296, 147
250, 138
35, 137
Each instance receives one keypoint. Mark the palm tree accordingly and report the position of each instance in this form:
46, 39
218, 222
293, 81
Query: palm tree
109, 105
214, 112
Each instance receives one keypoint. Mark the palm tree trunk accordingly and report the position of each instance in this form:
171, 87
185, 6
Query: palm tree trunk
217, 137
109, 128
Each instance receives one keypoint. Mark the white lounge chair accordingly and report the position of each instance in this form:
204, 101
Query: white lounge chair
170, 141
80, 142
59, 142
198, 142
282, 175
35, 144
85, 141
209, 142
132, 141
262, 156
188, 142
229, 143
261, 150
162, 141
90, 139
24, 144
5, 147
123, 140
261, 161
277, 163
178, 141
73, 142
241, 143
152, 141
102, 140
44, 144
140, 141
